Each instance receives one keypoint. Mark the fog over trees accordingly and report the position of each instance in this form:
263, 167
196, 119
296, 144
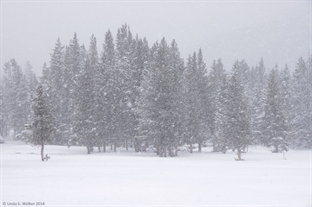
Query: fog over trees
135, 95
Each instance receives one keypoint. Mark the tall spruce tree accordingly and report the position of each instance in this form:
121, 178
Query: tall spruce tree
15, 97
74, 63
194, 100
93, 58
192, 103
140, 62
126, 80
156, 106
7, 99
237, 131
42, 122
222, 117
56, 91
274, 122
104, 93
204, 98
176, 65
301, 106
285, 95
84, 126
215, 83
258, 86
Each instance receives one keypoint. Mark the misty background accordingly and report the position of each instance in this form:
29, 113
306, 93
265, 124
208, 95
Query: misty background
279, 31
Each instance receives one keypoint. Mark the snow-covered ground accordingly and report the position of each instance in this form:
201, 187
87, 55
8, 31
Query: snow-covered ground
71, 177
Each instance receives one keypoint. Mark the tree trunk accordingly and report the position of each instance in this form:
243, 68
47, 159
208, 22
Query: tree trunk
135, 143
99, 148
144, 146
276, 148
224, 149
127, 147
42, 148
160, 152
170, 151
214, 146
115, 147
175, 151
199, 147
88, 149
191, 148
104, 147
239, 153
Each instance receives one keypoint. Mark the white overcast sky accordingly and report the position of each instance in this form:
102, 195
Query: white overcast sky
278, 31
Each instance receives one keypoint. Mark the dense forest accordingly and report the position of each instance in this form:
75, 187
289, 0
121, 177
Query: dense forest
138, 96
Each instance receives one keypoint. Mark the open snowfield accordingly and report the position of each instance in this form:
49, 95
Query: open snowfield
72, 178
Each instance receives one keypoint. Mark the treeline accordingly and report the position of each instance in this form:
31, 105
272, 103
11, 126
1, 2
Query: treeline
134, 95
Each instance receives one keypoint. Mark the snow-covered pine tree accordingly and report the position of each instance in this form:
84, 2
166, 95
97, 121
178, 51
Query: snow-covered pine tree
258, 86
204, 98
22, 111
15, 97
42, 122
57, 94
105, 92
176, 70
191, 103
194, 100
147, 111
237, 131
157, 101
222, 117
215, 83
301, 106
140, 61
284, 83
84, 126
94, 68
7, 99
126, 71
73, 66
274, 122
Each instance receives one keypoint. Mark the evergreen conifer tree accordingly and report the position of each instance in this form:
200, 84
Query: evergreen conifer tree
237, 131
215, 83
104, 92
84, 126
42, 122
301, 106
258, 85
274, 122
156, 106
56, 91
